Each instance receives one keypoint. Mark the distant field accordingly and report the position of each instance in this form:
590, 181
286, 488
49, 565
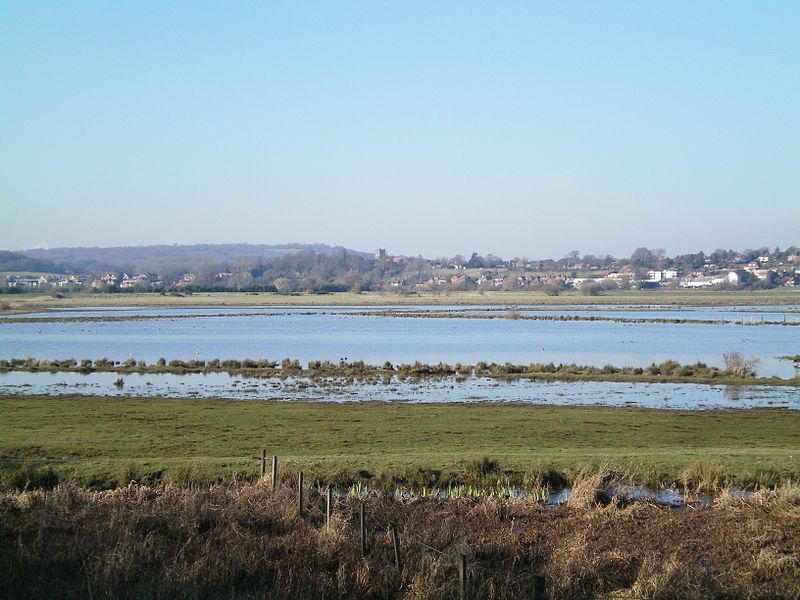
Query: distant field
92, 438
33, 302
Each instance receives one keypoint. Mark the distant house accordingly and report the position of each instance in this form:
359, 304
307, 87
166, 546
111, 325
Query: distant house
186, 279
71, 280
23, 282
659, 276
761, 273
700, 282
108, 279
142, 280
577, 282
710, 280
734, 278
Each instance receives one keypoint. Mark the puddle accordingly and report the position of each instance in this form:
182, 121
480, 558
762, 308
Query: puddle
670, 498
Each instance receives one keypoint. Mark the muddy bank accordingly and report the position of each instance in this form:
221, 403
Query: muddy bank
247, 541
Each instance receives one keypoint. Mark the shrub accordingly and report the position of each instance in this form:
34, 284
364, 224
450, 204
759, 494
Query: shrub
28, 477
127, 473
589, 288
739, 365
485, 467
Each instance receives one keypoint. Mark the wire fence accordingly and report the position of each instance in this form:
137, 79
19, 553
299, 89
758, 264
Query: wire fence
369, 524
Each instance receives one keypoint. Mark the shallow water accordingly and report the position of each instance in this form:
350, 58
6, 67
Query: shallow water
471, 390
333, 333
670, 497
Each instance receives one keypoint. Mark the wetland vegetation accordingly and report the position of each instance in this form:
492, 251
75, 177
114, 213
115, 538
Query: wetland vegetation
247, 541
668, 371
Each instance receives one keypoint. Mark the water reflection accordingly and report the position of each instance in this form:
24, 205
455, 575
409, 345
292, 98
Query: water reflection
329, 334
469, 390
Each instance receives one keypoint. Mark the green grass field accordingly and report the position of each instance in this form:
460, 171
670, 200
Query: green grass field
34, 302
92, 438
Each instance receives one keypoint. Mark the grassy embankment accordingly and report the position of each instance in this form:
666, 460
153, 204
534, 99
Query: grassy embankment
98, 440
36, 302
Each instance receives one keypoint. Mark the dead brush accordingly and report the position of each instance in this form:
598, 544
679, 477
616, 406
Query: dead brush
244, 540
660, 578
577, 571
593, 489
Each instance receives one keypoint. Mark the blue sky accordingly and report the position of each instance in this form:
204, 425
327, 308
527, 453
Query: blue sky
518, 128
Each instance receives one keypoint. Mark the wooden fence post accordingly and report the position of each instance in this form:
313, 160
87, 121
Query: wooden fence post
328, 504
274, 472
300, 493
363, 527
396, 544
538, 588
462, 577
263, 463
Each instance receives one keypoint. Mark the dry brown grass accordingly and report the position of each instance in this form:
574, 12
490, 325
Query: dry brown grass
244, 541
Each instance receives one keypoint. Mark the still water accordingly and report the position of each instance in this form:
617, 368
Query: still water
339, 333
470, 390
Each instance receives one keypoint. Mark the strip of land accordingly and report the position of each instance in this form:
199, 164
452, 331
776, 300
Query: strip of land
517, 315
324, 371
94, 439
36, 302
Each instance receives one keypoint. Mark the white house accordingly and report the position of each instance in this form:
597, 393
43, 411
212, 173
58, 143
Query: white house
659, 276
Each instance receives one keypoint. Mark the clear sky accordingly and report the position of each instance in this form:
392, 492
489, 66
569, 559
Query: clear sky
518, 128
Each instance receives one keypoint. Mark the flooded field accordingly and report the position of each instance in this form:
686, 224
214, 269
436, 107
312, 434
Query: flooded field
355, 333
470, 390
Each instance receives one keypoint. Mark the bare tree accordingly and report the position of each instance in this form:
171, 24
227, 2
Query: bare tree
283, 285
739, 365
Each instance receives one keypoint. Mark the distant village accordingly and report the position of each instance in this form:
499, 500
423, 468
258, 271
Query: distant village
382, 271
765, 270
105, 281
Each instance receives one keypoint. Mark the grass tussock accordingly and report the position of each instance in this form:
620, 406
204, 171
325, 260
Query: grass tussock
246, 541
704, 477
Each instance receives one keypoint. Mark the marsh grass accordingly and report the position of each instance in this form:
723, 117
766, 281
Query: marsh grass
243, 540
704, 477
322, 371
